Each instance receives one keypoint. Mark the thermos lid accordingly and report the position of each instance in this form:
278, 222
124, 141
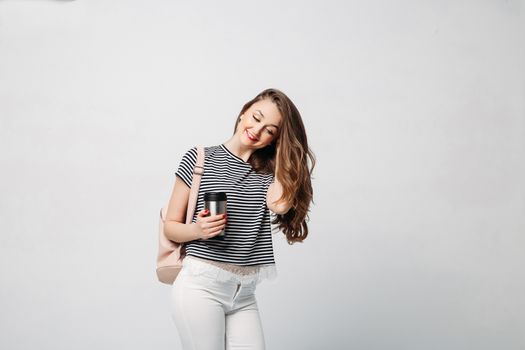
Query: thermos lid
214, 196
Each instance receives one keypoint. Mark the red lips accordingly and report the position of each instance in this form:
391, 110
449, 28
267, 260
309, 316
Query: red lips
251, 138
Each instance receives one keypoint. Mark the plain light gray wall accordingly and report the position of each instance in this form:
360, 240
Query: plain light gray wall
414, 109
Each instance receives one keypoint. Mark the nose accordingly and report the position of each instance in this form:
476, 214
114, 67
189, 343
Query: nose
257, 129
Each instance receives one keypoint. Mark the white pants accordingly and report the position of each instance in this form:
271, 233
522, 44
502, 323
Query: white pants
212, 312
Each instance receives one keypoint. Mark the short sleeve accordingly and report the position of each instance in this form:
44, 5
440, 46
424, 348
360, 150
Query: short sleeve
186, 166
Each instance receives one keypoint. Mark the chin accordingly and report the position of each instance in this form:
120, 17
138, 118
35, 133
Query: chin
252, 146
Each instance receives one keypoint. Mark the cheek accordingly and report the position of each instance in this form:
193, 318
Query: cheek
243, 124
267, 138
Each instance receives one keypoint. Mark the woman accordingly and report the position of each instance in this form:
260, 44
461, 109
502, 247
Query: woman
262, 167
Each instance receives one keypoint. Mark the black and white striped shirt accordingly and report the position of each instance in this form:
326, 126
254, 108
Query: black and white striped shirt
248, 239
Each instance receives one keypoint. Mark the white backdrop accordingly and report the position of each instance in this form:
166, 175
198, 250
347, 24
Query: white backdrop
414, 109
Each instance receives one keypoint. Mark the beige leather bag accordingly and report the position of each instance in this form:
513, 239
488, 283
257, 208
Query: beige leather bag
169, 262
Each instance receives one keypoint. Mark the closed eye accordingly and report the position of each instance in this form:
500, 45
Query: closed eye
258, 120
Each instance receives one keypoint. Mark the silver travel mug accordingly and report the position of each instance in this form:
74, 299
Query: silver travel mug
215, 202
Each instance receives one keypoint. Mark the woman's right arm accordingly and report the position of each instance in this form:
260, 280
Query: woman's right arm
175, 228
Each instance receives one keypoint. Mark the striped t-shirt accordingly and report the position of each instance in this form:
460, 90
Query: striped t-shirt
247, 239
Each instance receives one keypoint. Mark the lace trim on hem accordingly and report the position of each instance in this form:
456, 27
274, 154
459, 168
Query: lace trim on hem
253, 274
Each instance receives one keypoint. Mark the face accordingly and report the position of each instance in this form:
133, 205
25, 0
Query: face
259, 124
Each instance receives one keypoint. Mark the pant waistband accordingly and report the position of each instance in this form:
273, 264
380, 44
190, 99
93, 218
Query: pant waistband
198, 267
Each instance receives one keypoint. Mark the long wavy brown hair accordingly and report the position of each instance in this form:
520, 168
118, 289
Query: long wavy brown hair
296, 164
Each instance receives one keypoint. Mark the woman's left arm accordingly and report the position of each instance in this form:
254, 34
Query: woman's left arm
275, 191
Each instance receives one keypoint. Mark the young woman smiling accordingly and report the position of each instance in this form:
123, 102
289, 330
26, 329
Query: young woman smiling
265, 166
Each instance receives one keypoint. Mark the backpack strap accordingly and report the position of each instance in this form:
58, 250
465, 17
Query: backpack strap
195, 183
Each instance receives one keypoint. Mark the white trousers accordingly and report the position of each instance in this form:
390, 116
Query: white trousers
212, 312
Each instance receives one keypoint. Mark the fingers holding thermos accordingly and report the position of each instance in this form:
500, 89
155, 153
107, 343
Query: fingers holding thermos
215, 202
212, 220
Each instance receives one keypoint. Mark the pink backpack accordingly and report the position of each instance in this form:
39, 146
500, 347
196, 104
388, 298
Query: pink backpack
169, 262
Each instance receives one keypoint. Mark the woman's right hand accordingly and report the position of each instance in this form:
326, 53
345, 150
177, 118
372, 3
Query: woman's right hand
209, 226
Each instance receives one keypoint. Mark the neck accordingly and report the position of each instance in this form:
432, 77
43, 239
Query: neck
238, 149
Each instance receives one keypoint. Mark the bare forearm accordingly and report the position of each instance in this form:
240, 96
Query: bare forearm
179, 232
275, 191
274, 194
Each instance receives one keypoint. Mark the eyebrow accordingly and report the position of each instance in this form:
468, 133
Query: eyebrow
258, 110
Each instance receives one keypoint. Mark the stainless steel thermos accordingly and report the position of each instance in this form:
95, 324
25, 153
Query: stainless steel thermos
215, 202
